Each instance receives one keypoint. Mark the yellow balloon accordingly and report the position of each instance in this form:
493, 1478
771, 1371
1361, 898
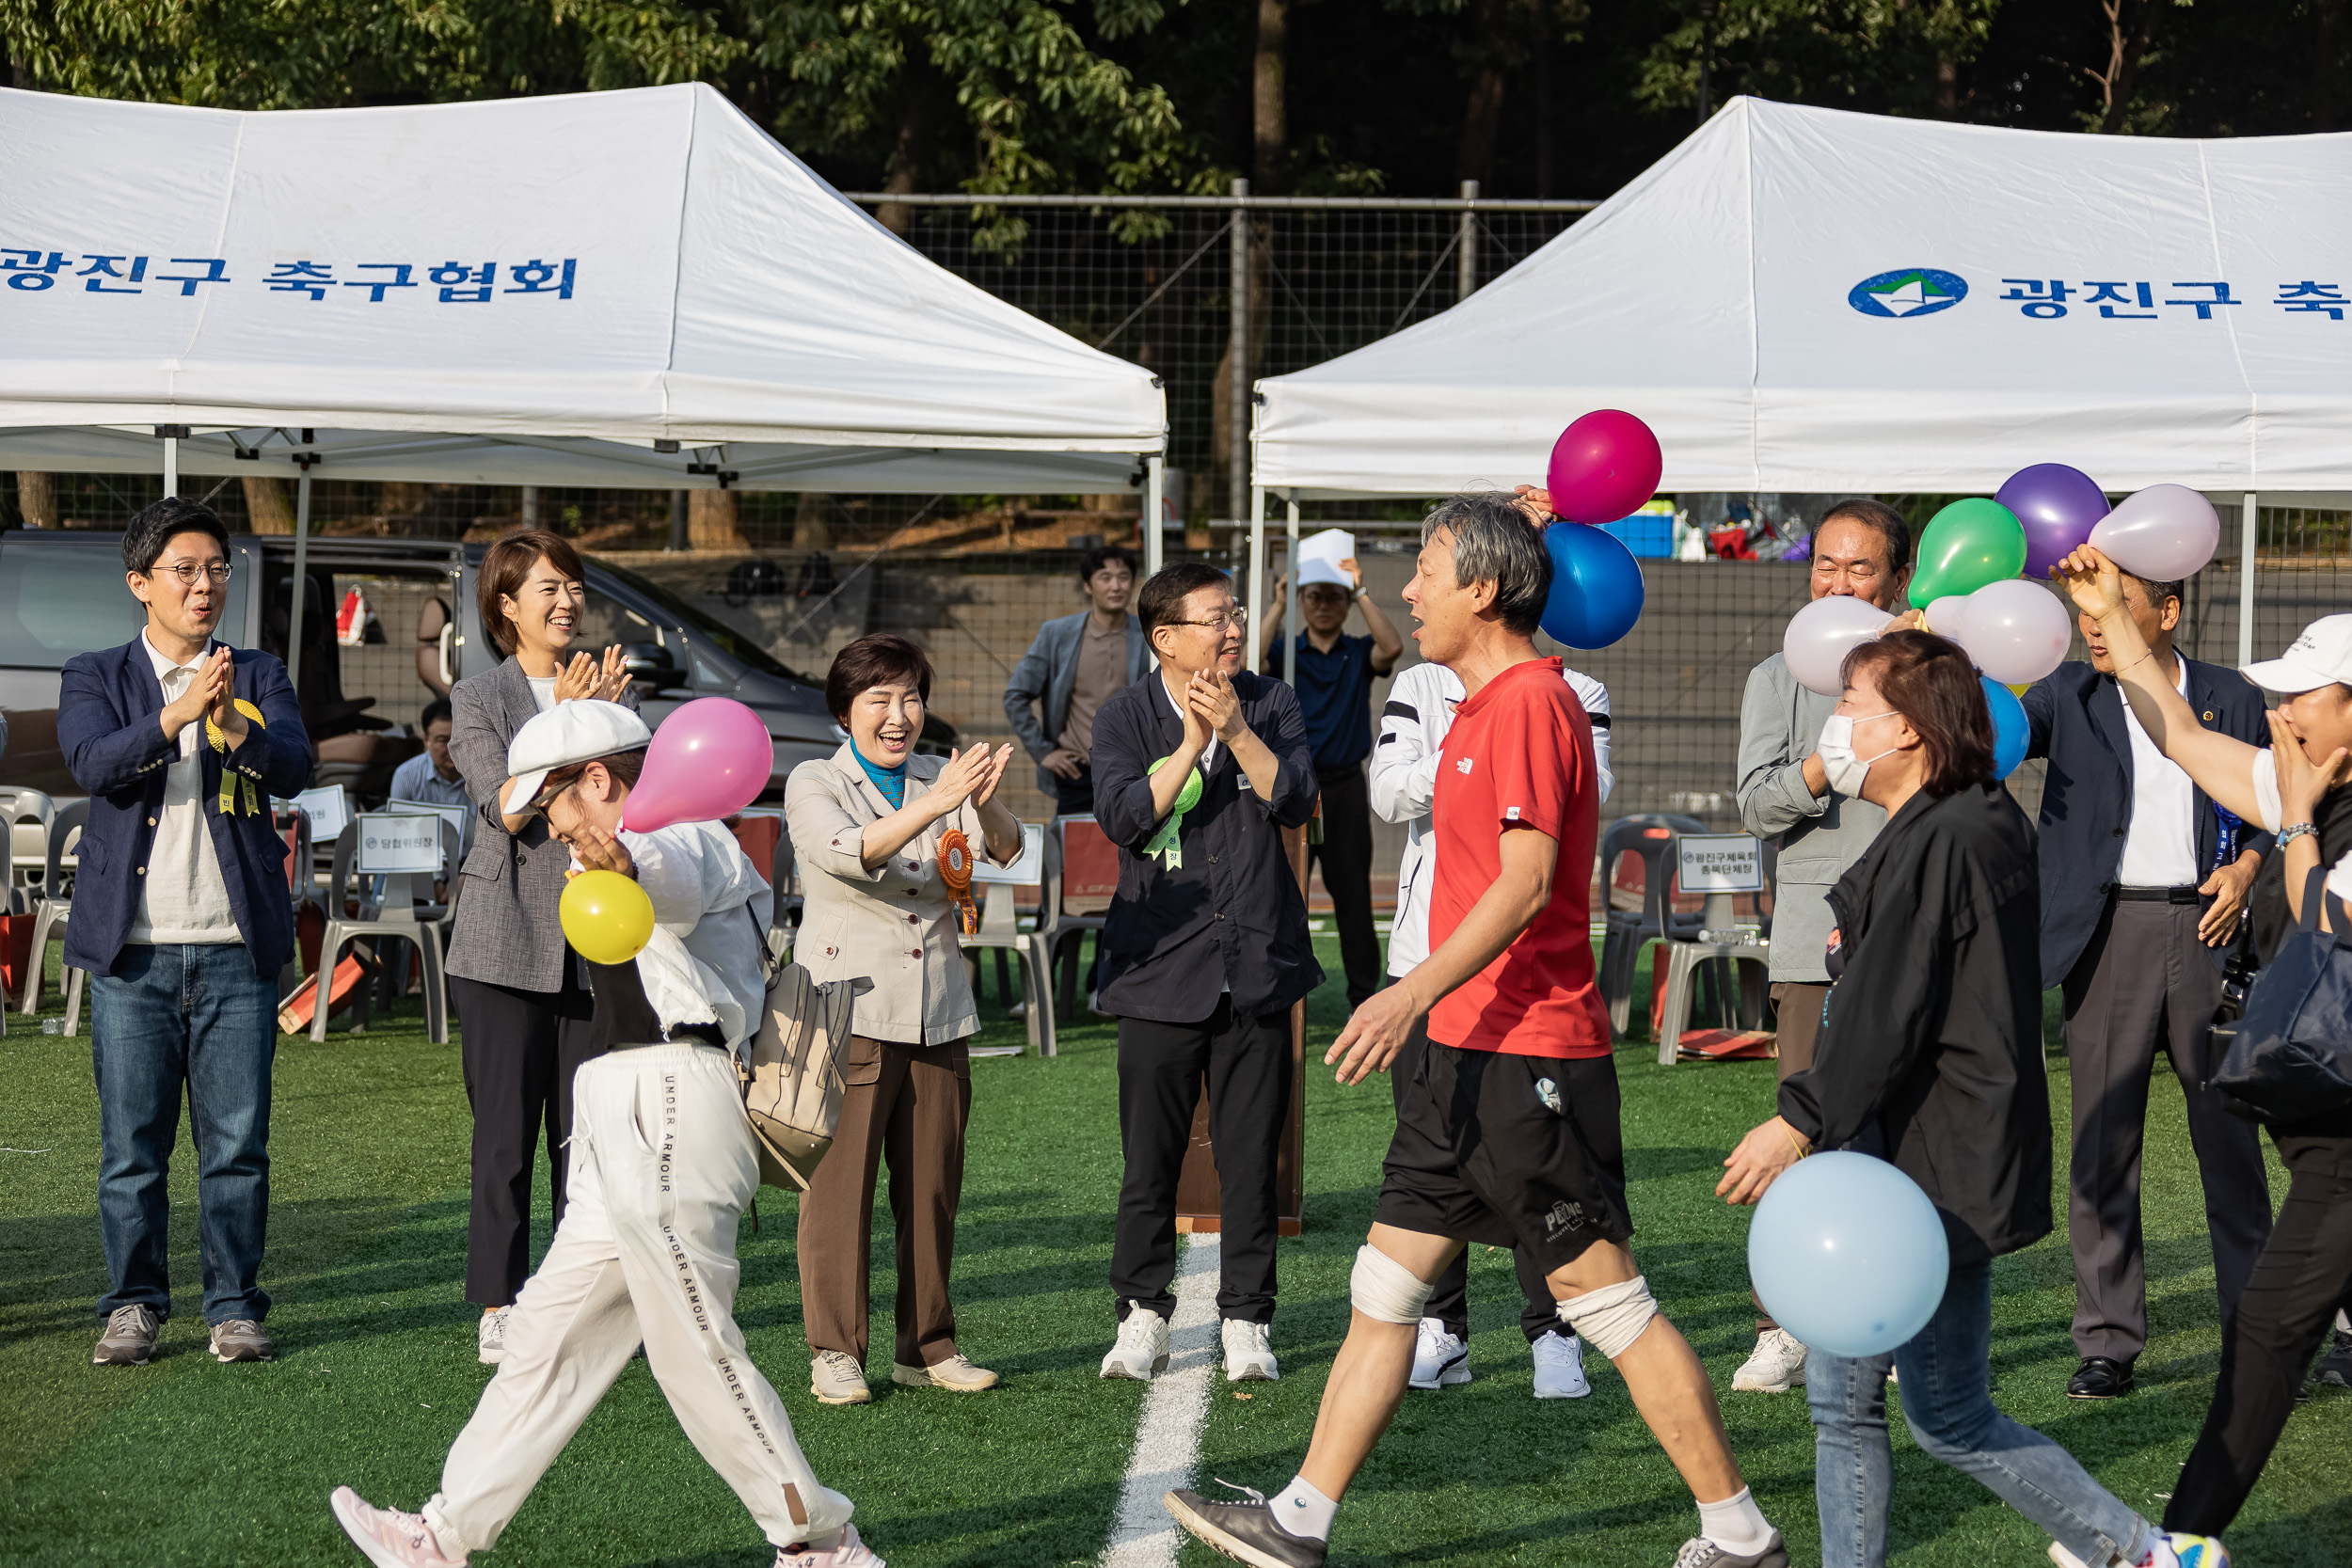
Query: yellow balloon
607, 917
2021, 690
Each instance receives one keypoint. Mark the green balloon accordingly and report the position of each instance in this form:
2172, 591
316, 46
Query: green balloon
1967, 546
1190, 795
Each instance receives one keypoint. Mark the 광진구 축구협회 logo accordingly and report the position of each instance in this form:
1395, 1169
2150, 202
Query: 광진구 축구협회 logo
1908, 292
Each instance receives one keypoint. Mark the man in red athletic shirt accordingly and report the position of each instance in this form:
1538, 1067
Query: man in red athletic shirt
1508, 1135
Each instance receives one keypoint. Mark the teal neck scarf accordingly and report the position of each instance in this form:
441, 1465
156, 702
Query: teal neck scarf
892, 782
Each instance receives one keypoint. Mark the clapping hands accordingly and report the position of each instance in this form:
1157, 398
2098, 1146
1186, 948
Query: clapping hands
586, 676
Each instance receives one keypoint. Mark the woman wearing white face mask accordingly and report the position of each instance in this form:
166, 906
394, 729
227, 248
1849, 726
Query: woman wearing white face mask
1929, 1057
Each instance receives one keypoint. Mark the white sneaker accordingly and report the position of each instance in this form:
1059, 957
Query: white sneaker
390, 1538
1440, 1359
1560, 1367
957, 1374
1249, 1353
836, 1378
846, 1551
1141, 1349
1776, 1366
490, 1339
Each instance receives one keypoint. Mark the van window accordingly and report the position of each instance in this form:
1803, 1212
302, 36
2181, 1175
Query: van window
703, 624
59, 600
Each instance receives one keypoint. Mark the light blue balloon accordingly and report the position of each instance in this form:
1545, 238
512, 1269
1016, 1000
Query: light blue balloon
2009, 729
1848, 1254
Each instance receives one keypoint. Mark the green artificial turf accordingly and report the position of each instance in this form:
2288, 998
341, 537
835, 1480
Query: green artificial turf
189, 1462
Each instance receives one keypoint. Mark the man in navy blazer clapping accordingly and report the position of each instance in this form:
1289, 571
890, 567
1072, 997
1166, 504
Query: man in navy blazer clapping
1204, 950
2144, 882
183, 919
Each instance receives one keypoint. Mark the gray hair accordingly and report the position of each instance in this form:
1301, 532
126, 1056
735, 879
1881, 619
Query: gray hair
1494, 542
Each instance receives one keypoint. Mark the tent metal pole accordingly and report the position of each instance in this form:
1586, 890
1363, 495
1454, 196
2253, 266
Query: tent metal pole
1466, 248
2249, 513
172, 466
1238, 356
1290, 576
1154, 532
300, 584
1256, 585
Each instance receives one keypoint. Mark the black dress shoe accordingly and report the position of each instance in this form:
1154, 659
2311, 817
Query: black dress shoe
1247, 1533
2100, 1377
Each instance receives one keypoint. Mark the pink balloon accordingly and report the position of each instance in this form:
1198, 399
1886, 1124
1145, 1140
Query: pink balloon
2015, 631
1603, 467
1822, 633
2165, 533
710, 759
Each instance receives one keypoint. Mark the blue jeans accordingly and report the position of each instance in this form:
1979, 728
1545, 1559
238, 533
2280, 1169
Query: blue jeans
197, 1015
1947, 1402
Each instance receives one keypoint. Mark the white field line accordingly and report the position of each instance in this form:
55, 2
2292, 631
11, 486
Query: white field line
1167, 1438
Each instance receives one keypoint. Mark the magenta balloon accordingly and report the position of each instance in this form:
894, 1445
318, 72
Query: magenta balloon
1603, 467
710, 759
2058, 507
2163, 533
2016, 631
1821, 635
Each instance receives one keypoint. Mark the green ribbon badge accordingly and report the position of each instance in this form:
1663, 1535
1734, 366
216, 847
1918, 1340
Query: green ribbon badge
1163, 843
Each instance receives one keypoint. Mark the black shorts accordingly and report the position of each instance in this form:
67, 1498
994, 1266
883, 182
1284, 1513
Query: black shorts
1521, 1152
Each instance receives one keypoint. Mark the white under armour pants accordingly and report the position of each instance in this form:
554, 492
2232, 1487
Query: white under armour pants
662, 1167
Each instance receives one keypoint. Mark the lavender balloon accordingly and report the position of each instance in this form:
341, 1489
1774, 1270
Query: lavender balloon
2160, 534
2057, 506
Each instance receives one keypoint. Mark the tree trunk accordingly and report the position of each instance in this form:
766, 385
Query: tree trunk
1269, 126
710, 521
36, 499
2327, 55
2125, 49
1481, 122
268, 505
1947, 86
918, 125
812, 529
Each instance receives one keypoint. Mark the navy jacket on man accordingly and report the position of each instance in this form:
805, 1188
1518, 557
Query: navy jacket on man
108, 708
1231, 914
2076, 717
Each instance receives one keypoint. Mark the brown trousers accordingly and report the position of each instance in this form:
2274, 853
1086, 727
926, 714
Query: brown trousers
906, 1104
1799, 1004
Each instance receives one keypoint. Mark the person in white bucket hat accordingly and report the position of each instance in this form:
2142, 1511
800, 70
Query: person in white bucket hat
663, 1164
2301, 790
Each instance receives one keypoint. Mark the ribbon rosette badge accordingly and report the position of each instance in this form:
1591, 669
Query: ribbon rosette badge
1163, 843
235, 787
955, 869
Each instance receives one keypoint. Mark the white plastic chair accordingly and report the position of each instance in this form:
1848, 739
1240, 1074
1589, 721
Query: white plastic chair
52, 909
1000, 928
398, 917
29, 813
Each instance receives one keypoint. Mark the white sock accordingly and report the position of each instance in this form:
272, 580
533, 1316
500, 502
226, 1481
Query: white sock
1304, 1511
1736, 1524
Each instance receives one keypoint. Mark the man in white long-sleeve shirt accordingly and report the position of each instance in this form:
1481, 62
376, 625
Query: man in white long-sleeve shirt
1403, 780
663, 1165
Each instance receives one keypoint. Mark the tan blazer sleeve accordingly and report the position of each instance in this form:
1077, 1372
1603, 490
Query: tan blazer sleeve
826, 832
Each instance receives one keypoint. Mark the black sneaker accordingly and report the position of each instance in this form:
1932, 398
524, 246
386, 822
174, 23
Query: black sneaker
2100, 1377
1247, 1533
2334, 1369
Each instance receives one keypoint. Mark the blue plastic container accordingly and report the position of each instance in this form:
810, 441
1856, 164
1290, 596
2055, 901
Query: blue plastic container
1648, 534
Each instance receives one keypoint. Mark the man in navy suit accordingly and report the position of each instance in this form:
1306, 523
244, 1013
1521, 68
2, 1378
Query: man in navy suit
1203, 952
2144, 882
182, 918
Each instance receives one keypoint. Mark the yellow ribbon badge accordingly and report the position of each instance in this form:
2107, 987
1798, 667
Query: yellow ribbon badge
235, 786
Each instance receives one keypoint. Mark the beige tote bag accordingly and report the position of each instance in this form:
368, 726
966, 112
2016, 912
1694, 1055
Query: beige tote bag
792, 1077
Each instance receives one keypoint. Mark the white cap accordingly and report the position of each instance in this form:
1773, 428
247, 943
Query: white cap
578, 731
1313, 571
2320, 656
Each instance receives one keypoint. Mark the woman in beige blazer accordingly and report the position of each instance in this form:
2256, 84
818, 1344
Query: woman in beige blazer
867, 825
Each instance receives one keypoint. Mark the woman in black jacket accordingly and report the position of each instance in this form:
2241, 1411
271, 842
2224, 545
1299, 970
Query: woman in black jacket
1929, 1056
2296, 790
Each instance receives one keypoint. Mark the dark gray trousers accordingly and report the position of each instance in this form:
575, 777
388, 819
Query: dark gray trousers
2147, 984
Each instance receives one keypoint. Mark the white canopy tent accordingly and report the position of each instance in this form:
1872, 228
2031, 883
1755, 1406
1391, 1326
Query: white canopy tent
1805, 299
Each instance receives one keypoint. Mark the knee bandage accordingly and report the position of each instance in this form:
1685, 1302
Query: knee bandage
1612, 1317
1384, 1289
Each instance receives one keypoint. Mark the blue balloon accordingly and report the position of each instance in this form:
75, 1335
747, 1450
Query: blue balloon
1848, 1254
2010, 730
1595, 587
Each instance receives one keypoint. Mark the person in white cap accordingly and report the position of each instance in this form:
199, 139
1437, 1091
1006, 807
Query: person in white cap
2296, 790
663, 1165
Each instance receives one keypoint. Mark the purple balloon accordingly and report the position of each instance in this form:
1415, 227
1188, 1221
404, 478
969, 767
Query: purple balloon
2057, 506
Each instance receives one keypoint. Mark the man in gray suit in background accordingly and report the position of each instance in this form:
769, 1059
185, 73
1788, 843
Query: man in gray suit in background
1862, 550
1072, 668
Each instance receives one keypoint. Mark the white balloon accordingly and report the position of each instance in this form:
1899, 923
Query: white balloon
1821, 635
2163, 533
2016, 631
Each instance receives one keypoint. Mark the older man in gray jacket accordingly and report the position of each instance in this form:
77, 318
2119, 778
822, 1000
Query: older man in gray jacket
1862, 550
